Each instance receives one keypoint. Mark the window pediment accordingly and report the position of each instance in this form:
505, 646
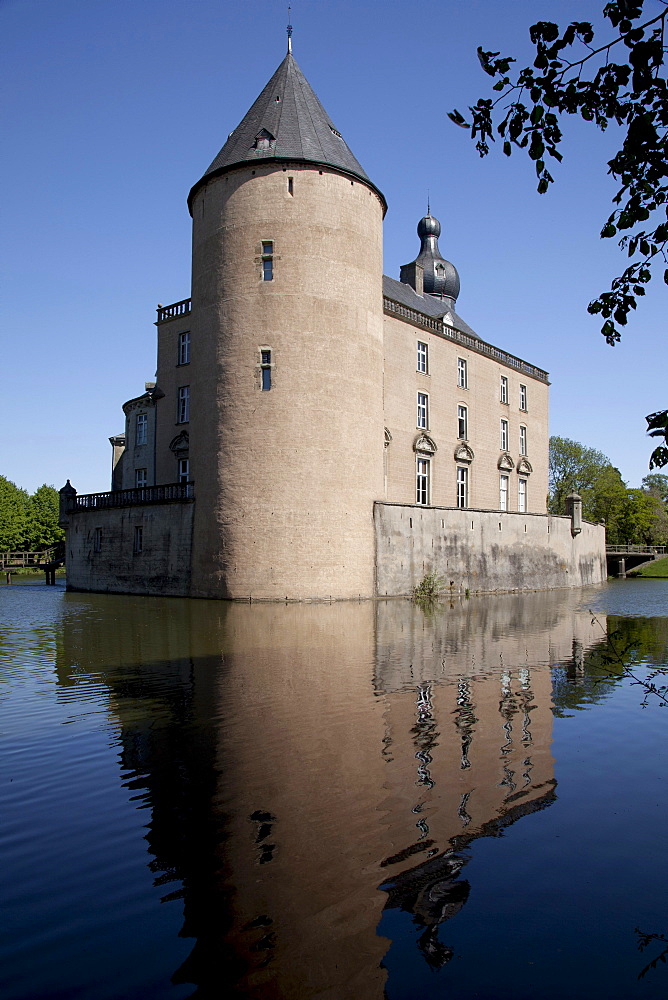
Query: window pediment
464, 453
505, 462
180, 444
524, 467
425, 444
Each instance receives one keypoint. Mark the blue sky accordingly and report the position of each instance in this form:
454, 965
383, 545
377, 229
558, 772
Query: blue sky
114, 108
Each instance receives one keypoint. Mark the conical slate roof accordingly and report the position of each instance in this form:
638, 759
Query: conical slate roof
286, 122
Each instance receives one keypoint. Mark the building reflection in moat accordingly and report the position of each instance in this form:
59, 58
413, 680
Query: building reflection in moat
308, 767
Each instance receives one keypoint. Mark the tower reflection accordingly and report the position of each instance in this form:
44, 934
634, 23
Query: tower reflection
308, 767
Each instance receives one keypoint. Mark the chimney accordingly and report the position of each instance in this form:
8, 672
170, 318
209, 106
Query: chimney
413, 275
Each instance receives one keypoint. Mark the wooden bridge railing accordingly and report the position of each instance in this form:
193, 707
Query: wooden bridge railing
649, 550
32, 560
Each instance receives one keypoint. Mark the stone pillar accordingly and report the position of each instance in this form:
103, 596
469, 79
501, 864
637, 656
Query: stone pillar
66, 503
574, 511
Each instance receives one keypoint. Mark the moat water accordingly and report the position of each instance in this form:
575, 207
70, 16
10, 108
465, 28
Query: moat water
336, 801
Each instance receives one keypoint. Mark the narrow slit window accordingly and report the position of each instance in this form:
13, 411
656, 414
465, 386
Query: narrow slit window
265, 370
267, 260
291, 185
97, 540
138, 540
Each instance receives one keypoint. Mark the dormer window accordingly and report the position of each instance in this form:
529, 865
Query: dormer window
264, 139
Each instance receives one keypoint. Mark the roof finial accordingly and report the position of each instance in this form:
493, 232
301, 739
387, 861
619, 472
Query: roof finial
289, 30
428, 206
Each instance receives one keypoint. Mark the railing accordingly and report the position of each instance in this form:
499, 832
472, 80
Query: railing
25, 560
465, 339
172, 493
636, 549
181, 308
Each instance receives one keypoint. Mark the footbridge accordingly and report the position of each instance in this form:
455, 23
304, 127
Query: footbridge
622, 558
48, 560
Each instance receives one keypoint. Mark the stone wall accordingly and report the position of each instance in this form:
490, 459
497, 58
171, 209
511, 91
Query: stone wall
483, 551
162, 566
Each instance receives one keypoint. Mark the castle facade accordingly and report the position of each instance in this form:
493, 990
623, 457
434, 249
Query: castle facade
317, 430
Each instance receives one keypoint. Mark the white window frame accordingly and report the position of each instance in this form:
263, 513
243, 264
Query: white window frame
462, 423
184, 348
504, 434
503, 389
462, 487
422, 480
522, 490
183, 405
523, 440
183, 467
141, 479
503, 492
422, 357
141, 429
523, 397
462, 374
422, 416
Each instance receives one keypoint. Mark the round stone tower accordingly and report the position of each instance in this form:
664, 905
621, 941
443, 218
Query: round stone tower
286, 371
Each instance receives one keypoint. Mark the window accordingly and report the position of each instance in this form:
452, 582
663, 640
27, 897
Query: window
184, 470
265, 369
140, 479
462, 374
422, 358
184, 348
422, 481
141, 428
504, 389
97, 540
523, 440
139, 540
462, 423
183, 405
291, 186
462, 487
504, 435
523, 397
267, 260
422, 410
522, 496
503, 493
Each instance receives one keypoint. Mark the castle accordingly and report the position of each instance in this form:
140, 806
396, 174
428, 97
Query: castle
318, 430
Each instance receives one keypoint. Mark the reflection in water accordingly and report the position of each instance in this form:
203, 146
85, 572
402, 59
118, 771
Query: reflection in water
314, 775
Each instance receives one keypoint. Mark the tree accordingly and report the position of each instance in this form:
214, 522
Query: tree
572, 468
14, 516
657, 484
607, 500
622, 80
44, 530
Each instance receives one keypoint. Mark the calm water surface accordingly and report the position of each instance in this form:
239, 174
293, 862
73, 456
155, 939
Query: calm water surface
339, 801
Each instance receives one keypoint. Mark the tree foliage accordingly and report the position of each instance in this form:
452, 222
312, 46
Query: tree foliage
28, 523
631, 516
620, 79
